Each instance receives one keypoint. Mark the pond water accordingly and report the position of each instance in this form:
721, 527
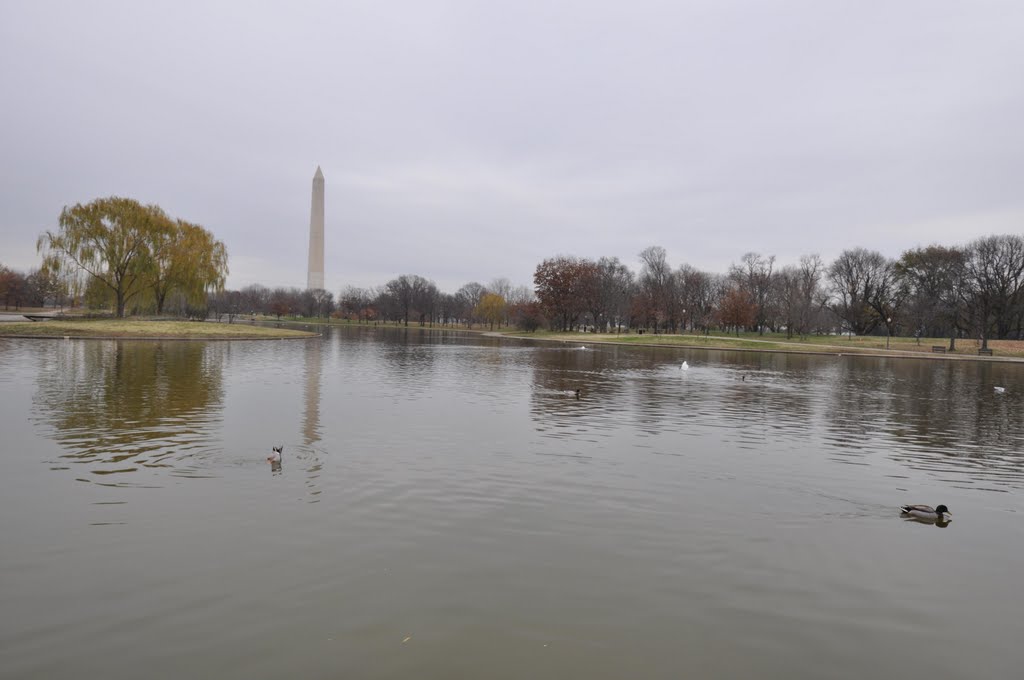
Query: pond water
447, 508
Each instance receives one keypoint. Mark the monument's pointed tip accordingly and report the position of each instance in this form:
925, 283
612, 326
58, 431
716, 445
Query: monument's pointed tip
319, 173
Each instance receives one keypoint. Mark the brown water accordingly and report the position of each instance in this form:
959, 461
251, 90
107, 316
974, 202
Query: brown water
447, 508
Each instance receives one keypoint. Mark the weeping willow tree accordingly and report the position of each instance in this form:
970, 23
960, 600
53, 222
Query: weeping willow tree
185, 258
135, 251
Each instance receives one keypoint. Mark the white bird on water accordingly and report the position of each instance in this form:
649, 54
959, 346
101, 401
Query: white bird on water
999, 390
684, 367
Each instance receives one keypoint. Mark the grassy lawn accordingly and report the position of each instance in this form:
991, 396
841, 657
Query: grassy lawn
135, 328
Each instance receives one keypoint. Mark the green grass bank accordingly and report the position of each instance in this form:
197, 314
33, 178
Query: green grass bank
145, 329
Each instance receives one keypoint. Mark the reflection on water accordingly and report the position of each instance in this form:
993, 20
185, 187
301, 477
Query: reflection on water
118, 406
311, 416
936, 416
447, 507
313, 371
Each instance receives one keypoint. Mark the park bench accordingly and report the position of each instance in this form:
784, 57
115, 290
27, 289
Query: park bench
987, 352
939, 348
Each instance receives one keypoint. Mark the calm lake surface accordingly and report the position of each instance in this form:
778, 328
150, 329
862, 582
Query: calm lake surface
447, 508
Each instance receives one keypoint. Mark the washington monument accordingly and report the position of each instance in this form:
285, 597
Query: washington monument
315, 273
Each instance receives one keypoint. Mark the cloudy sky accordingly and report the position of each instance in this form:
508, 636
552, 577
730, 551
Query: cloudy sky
467, 140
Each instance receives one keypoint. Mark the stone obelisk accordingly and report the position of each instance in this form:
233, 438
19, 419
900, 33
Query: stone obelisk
315, 275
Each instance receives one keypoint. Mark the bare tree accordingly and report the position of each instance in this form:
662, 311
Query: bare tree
787, 285
521, 295
994, 277
255, 298
754, 277
413, 294
44, 286
866, 289
13, 287
284, 301
799, 294
467, 298
812, 298
225, 302
657, 286
700, 293
426, 301
500, 286
934, 279
613, 291
322, 303
356, 301
447, 305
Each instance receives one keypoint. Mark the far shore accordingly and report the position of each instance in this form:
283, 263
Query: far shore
244, 328
967, 349
867, 345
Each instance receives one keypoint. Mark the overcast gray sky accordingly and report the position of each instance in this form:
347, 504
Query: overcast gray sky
466, 140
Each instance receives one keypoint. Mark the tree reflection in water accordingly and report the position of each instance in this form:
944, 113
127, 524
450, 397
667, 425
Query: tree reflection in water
119, 406
922, 414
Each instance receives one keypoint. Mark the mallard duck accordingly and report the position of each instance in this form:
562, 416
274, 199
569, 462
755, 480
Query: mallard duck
684, 367
927, 512
275, 458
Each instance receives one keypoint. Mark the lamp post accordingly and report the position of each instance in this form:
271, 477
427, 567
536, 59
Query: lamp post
888, 333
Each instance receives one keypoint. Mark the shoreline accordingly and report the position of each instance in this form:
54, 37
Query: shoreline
838, 352
175, 338
144, 329
631, 340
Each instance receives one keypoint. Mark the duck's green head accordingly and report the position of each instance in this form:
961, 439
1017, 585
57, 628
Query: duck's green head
942, 510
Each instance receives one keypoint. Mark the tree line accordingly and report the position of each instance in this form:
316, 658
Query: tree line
116, 252
405, 298
37, 288
975, 290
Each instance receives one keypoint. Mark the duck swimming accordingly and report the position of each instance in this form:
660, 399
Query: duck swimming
927, 512
275, 458
684, 367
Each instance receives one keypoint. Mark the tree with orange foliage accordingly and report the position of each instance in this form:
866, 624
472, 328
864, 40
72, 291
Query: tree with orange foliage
561, 290
736, 309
